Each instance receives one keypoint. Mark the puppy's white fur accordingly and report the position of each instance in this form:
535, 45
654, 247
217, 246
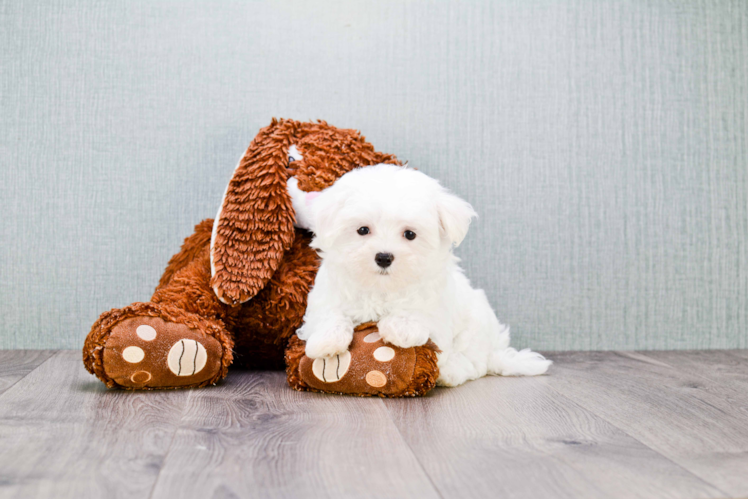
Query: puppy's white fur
423, 294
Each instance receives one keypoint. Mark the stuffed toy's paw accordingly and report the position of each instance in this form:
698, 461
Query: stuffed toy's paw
370, 367
153, 346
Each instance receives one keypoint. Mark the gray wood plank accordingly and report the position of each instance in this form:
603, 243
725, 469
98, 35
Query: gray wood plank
255, 437
14, 365
743, 353
516, 437
729, 369
697, 425
63, 434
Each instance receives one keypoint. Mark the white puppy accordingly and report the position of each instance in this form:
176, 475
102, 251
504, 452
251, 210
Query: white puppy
385, 235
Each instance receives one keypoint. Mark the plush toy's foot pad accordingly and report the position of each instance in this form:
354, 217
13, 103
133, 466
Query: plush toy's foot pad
146, 351
369, 368
149, 352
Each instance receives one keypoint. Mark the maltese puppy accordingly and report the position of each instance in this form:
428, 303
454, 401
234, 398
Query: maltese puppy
385, 235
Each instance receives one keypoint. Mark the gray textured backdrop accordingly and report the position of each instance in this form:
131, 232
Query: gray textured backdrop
603, 144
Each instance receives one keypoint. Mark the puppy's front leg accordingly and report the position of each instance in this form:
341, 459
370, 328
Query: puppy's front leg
404, 329
327, 336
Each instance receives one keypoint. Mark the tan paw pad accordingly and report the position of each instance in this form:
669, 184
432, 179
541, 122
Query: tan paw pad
333, 368
141, 377
372, 337
384, 354
133, 354
375, 378
146, 332
187, 357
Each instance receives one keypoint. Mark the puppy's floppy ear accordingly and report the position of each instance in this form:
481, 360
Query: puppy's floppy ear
324, 208
254, 226
455, 215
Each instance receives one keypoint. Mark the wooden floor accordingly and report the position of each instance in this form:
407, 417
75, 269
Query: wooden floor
655, 424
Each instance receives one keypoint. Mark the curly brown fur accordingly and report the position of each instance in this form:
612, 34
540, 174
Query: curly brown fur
426, 371
294, 353
193, 245
255, 225
189, 289
265, 323
329, 153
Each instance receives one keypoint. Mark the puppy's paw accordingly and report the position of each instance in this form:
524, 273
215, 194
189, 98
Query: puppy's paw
456, 370
403, 331
328, 341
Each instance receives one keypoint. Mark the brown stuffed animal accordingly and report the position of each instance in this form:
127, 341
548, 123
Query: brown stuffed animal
236, 292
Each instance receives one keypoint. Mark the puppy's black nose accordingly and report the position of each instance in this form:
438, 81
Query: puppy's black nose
384, 259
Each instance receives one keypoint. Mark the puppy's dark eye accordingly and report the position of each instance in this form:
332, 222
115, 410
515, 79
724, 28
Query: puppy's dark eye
363, 230
409, 235
290, 159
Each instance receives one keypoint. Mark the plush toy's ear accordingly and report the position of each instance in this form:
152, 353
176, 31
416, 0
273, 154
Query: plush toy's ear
455, 215
254, 226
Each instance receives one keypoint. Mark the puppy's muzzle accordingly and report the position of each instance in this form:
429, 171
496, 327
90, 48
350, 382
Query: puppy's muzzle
384, 260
